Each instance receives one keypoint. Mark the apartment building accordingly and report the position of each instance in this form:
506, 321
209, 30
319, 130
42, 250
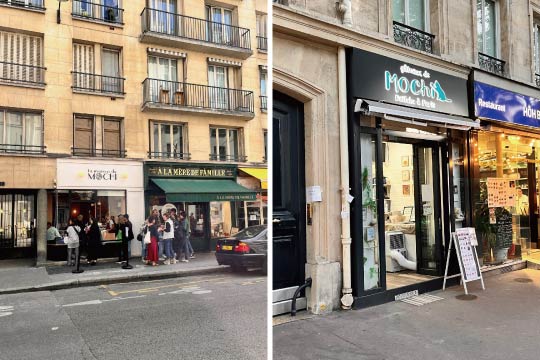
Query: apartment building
406, 112
116, 106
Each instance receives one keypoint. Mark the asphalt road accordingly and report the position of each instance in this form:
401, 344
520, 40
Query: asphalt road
220, 316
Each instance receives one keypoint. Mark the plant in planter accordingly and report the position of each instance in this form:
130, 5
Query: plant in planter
110, 15
367, 193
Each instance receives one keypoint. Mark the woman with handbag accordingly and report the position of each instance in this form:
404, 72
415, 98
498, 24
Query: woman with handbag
72, 242
152, 248
94, 241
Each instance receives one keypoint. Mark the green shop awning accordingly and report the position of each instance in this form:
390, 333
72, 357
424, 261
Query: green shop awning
179, 190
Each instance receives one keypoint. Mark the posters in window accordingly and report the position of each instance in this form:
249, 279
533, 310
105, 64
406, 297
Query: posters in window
500, 193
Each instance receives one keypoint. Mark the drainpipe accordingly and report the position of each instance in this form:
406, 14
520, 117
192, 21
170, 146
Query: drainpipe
346, 291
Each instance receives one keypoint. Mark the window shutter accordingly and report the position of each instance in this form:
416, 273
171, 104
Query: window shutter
111, 135
83, 62
18, 50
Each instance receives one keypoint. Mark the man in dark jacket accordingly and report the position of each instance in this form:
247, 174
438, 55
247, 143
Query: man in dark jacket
177, 241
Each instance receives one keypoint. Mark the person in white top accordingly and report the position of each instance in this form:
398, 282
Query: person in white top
72, 242
168, 235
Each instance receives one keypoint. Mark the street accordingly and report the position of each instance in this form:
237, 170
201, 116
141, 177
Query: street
219, 316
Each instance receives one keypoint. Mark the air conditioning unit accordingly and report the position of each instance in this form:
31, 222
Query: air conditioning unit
394, 240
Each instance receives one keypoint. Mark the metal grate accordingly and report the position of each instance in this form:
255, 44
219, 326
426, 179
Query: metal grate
397, 241
421, 300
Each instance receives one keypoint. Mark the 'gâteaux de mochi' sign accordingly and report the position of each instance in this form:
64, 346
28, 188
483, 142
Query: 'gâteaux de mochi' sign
491, 102
376, 77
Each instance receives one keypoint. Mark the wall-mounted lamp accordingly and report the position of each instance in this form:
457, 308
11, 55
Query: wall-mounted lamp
58, 11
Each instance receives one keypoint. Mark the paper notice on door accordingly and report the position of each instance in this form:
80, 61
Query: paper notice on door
313, 194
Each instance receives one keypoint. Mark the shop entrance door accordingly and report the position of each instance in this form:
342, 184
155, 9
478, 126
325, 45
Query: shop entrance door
17, 225
199, 221
289, 239
428, 209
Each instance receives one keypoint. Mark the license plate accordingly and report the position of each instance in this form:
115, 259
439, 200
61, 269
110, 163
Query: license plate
227, 247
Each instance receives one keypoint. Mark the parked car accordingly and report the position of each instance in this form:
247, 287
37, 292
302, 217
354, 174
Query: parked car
245, 250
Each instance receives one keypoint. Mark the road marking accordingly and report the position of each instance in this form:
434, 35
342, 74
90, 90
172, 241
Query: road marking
156, 288
181, 291
6, 311
54, 328
201, 292
99, 302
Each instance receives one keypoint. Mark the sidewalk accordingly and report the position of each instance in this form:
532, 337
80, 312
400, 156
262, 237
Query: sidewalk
20, 276
501, 323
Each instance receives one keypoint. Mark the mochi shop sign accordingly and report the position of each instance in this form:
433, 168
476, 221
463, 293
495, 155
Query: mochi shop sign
380, 78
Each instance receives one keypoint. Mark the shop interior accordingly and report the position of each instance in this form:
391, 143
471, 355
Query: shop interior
510, 155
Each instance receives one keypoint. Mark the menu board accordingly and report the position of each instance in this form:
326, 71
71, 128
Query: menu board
504, 228
500, 193
466, 237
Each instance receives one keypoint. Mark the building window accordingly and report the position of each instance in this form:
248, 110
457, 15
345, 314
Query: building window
168, 141
21, 59
87, 143
487, 27
163, 17
85, 76
265, 137
102, 10
21, 132
411, 13
162, 85
262, 39
263, 77
225, 144
219, 25
536, 31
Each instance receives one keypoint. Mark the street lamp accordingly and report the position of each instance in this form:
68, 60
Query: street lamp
58, 11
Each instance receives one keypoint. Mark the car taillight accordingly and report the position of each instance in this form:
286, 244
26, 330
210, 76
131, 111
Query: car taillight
241, 247
218, 247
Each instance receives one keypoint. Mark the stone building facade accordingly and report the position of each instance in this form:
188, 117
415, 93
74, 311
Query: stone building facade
122, 81
492, 42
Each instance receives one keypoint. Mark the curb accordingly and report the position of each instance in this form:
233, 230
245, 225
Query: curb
127, 278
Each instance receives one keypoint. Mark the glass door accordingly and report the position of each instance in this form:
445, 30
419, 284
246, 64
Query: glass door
217, 80
428, 209
111, 71
220, 27
163, 16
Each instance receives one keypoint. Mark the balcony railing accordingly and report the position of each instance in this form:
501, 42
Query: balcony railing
30, 4
113, 153
184, 95
98, 83
169, 155
235, 158
537, 79
263, 102
491, 64
22, 74
22, 149
413, 38
90, 10
171, 24
262, 43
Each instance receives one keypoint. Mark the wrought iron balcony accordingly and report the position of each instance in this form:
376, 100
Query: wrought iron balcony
97, 83
537, 79
86, 9
491, 64
262, 43
29, 4
234, 158
413, 38
263, 102
174, 29
113, 153
22, 74
169, 155
22, 149
192, 97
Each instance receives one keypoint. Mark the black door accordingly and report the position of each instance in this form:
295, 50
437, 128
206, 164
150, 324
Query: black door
17, 225
289, 233
428, 209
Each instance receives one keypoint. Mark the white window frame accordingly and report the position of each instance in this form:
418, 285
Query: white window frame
161, 152
216, 154
3, 115
536, 45
426, 15
497, 29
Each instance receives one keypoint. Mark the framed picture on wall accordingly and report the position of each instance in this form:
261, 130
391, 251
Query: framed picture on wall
406, 190
405, 175
404, 161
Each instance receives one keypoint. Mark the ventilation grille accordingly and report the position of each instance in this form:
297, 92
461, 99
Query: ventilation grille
397, 241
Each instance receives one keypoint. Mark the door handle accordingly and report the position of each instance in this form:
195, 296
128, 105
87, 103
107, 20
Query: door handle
276, 221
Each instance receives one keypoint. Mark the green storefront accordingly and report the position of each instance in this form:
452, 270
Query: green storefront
208, 193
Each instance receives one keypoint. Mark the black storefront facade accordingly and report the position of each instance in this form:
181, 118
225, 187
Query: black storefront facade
409, 131
208, 193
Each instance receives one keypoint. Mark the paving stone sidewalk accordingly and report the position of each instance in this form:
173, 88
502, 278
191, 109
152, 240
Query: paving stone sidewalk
21, 276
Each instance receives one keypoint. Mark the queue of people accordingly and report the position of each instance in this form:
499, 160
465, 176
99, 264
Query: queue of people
169, 235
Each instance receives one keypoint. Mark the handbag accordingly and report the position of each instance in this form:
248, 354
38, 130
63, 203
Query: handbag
147, 238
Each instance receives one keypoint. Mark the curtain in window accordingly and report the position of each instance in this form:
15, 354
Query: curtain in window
398, 11
233, 144
417, 14
33, 130
537, 48
14, 130
486, 27
222, 144
111, 71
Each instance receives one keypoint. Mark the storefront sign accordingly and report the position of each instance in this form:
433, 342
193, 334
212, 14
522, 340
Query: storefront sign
375, 77
190, 171
99, 174
235, 197
491, 102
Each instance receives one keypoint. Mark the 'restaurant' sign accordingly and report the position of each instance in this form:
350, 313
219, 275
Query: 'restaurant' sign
494, 103
380, 78
191, 171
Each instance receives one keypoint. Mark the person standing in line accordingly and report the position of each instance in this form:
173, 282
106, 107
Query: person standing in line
184, 226
83, 248
94, 241
152, 250
168, 235
188, 235
177, 241
129, 233
73, 242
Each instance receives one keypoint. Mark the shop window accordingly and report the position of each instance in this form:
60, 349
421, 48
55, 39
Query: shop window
487, 17
168, 141
226, 144
21, 132
411, 13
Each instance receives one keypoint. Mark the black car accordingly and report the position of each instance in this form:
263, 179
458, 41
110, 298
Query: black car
245, 250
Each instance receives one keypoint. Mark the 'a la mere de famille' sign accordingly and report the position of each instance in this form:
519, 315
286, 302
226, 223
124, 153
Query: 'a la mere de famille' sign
491, 102
380, 78
190, 171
